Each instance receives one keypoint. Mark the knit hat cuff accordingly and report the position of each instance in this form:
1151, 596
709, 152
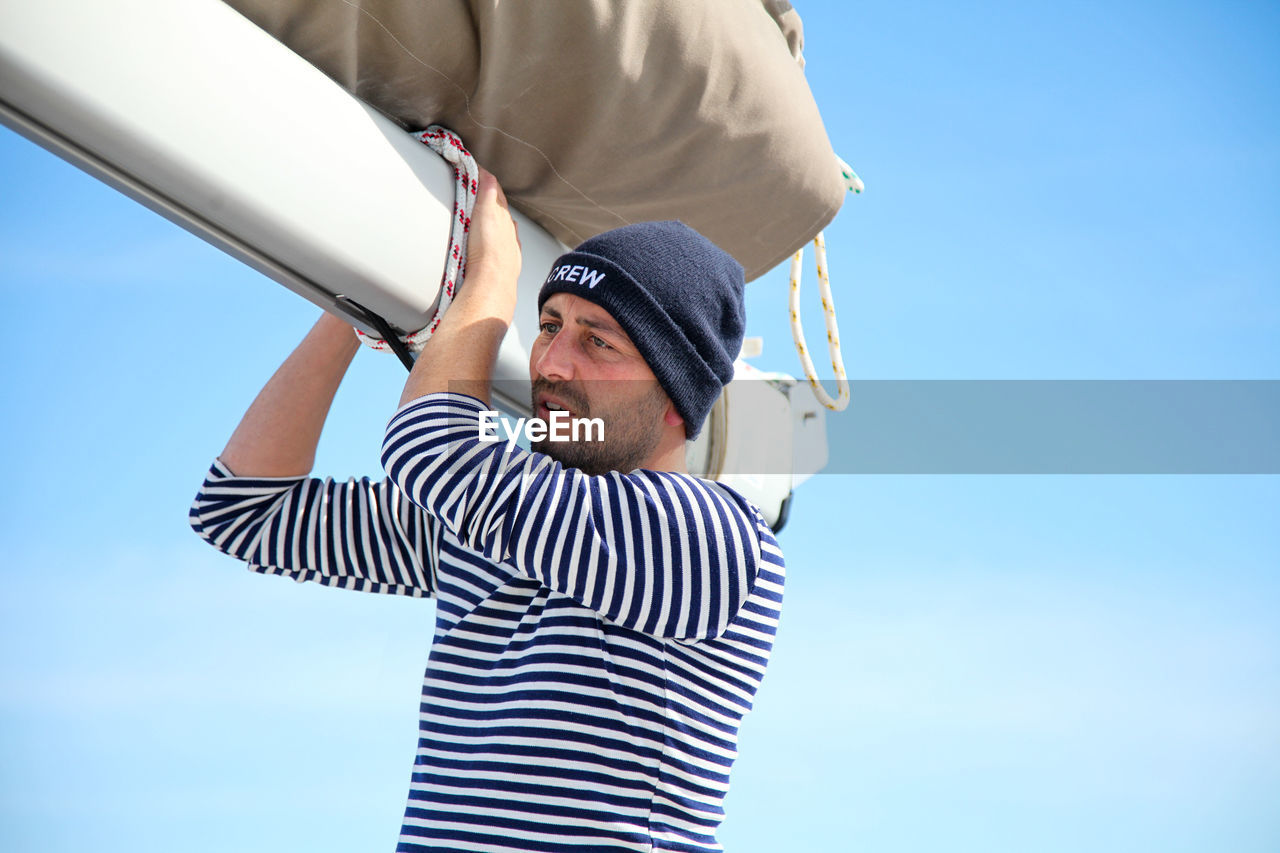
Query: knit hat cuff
689, 381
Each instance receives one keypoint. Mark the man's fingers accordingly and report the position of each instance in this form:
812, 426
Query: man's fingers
489, 184
495, 241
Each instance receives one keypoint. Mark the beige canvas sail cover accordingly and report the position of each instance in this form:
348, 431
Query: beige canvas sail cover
594, 113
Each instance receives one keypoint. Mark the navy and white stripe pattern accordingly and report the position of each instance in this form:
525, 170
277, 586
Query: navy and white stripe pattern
355, 535
598, 639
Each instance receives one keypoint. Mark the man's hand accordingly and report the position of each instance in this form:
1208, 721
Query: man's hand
493, 242
460, 355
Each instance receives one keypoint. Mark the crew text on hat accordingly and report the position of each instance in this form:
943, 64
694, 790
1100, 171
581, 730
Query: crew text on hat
578, 273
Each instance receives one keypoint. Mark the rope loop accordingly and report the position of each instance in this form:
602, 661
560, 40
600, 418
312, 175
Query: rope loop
447, 144
841, 402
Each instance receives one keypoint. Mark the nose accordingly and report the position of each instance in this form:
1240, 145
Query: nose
555, 362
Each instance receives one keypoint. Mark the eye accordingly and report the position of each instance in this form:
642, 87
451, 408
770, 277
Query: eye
548, 328
600, 343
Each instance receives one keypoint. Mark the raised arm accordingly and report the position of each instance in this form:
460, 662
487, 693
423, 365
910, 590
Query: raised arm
461, 353
658, 552
258, 504
277, 436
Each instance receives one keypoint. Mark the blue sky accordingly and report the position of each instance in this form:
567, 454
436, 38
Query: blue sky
966, 662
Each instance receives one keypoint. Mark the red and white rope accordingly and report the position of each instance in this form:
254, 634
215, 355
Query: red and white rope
447, 144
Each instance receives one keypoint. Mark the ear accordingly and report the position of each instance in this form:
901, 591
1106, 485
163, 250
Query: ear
672, 417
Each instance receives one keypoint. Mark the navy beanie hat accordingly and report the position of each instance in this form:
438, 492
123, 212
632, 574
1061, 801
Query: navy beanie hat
677, 295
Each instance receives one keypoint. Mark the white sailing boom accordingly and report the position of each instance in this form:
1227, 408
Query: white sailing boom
193, 111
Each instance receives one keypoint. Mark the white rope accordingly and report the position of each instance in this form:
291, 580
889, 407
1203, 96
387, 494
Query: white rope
447, 144
853, 184
833, 333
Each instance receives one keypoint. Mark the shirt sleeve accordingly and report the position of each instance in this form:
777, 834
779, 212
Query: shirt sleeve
658, 552
359, 534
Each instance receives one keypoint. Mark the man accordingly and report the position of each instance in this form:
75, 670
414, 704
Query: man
603, 619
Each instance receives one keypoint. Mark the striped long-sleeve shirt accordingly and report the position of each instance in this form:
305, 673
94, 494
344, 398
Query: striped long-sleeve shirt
597, 641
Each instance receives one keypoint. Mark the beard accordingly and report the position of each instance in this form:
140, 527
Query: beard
631, 431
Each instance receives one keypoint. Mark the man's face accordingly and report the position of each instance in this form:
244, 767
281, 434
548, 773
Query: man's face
584, 362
